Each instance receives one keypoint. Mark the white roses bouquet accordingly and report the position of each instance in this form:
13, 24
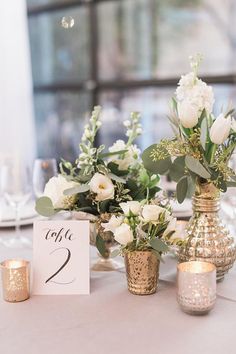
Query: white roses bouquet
203, 144
143, 226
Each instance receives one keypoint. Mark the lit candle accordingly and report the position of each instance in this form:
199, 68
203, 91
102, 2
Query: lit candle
196, 287
15, 280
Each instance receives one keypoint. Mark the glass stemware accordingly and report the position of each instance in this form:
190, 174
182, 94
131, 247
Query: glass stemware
16, 186
43, 170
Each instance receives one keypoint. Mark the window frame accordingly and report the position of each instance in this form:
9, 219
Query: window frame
94, 86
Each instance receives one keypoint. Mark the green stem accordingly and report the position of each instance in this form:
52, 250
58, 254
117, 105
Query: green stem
213, 151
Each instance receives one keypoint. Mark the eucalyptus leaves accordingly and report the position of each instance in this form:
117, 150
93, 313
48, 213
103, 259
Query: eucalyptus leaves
203, 143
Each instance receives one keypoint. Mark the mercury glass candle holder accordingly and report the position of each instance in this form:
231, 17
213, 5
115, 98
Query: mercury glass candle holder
196, 287
15, 280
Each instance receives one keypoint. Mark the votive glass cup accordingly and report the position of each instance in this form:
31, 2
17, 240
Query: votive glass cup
15, 280
196, 282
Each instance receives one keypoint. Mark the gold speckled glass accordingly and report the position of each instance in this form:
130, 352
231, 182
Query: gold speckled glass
196, 287
142, 271
15, 280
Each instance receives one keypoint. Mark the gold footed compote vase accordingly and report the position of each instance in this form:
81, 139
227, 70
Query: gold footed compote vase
208, 239
102, 263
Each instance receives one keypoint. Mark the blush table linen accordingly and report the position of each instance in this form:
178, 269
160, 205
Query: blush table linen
112, 321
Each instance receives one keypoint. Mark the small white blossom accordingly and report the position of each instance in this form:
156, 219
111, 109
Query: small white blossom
127, 159
127, 123
132, 206
113, 223
220, 129
152, 212
87, 133
102, 186
123, 234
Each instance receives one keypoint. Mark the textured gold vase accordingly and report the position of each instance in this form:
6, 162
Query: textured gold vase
207, 238
142, 271
103, 263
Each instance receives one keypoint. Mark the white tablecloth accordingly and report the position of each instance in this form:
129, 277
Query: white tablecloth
113, 321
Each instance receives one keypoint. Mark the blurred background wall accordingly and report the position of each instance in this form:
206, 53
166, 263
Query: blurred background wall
124, 55
17, 125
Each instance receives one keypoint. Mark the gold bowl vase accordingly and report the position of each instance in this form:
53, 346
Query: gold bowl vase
208, 239
105, 262
142, 272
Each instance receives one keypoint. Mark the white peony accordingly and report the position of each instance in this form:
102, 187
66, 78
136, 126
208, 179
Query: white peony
132, 206
171, 227
54, 190
113, 223
152, 212
102, 186
188, 114
123, 234
220, 129
126, 160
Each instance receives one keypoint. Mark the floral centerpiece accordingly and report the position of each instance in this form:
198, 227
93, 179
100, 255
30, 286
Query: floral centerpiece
99, 181
197, 158
144, 232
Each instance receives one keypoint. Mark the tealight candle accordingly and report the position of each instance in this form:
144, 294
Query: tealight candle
196, 287
15, 280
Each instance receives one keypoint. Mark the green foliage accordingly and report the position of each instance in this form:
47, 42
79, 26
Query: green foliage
182, 189
158, 245
77, 190
101, 246
161, 166
45, 207
177, 169
195, 166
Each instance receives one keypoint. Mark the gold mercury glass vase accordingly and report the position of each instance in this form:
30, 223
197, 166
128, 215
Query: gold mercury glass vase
142, 272
207, 238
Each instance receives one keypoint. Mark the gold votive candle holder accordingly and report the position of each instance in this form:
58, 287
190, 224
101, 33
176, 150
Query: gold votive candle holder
15, 280
196, 282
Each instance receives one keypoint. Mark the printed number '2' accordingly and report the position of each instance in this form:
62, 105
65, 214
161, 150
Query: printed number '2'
61, 268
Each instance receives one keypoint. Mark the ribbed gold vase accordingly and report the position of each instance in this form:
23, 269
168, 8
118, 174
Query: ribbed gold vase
207, 238
142, 272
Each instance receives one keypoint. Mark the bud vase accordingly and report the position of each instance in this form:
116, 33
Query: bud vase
207, 238
142, 272
105, 262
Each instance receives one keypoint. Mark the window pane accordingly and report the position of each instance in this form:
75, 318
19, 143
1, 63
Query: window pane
151, 38
44, 2
60, 54
153, 104
60, 120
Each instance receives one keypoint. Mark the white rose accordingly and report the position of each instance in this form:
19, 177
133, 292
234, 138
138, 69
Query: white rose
188, 114
123, 234
132, 206
171, 227
220, 129
54, 190
113, 223
152, 212
102, 186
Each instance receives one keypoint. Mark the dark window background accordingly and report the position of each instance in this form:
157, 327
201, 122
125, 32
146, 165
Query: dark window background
125, 55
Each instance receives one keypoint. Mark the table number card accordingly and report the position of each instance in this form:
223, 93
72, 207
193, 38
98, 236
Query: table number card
61, 257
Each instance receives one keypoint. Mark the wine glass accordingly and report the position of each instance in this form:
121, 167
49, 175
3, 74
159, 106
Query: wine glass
16, 186
43, 170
